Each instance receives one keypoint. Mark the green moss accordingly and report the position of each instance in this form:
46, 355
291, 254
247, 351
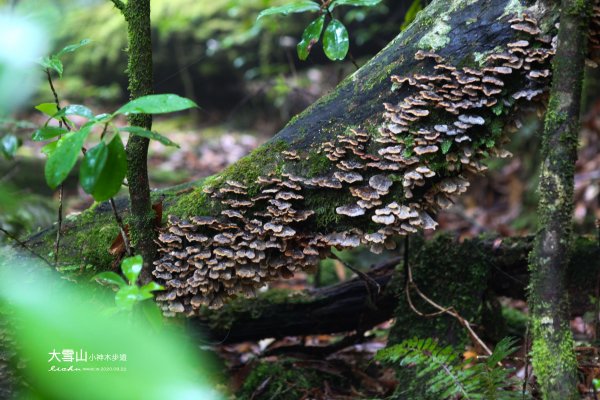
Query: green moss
316, 164
261, 162
552, 352
437, 37
513, 7
89, 245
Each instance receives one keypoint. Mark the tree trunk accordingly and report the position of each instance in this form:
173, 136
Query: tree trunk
139, 70
554, 359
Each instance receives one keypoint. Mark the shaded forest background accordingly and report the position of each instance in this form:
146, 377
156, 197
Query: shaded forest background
248, 82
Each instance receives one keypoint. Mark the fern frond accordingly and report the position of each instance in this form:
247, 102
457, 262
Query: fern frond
447, 375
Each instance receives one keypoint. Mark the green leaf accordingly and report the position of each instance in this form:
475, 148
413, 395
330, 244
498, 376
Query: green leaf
47, 108
151, 287
49, 148
446, 144
47, 132
9, 144
138, 131
354, 3
156, 104
111, 178
127, 296
62, 160
74, 109
411, 14
131, 267
92, 165
295, 7
335, 41
52, 63
72, 47
498, 108
110, 278
310, 37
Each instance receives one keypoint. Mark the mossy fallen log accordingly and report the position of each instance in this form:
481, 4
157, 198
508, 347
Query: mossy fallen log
376, 158
497, 265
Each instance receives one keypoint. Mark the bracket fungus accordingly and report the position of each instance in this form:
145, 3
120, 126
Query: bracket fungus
392, 181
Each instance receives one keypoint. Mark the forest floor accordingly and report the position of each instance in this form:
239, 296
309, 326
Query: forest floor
503, 201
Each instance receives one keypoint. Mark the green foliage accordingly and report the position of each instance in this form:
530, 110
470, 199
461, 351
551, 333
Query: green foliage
104, 167
411, 14
106, 181
128, 293
446, 375
310, 37
156, 104
9, 144
54, 63
295, 7
354, 3
138, 131
47, 316
63, 158
336, 41
446, 144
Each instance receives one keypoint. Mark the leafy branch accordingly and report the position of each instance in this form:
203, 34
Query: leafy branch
336, 41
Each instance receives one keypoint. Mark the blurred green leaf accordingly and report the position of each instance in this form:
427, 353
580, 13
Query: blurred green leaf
354, 3
310, 37
74, 109
49, 148
47, 132
446, 144
48, 315
131, 267
295, 7
9, 144
335, 41
47, 108
62, 160
156, 104
111, 177
110, 278
72, 47
139, 131
128, 296
151, 287
411, 14
52, 63
92, 165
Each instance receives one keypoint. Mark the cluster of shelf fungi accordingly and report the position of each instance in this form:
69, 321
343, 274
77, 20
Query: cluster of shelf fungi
396, 179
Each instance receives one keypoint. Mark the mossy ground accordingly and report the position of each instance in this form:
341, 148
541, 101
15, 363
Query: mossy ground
285, 379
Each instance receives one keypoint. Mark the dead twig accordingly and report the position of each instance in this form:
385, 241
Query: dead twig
441, 310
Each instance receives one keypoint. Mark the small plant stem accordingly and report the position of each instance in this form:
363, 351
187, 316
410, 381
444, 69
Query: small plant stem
61, 190
24, 245
121, 227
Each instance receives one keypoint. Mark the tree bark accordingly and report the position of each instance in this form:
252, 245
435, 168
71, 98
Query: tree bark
139, 70
554, 360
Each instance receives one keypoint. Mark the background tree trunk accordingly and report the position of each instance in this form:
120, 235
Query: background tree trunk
554, 360
139, 71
